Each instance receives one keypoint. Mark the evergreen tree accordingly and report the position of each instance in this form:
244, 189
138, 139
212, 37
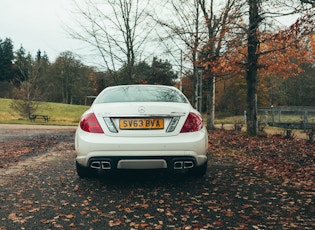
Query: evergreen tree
161, 73
6, 60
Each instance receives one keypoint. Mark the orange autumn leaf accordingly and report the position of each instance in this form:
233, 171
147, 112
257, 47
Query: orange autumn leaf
70, 216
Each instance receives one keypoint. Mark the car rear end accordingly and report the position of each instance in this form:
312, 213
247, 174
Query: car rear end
141, 135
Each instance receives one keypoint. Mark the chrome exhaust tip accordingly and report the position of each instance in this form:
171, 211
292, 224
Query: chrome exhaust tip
96, 165
178, 165
106, 165
188, 164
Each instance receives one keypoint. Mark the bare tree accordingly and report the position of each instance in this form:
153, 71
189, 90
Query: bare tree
217, 24
68, 71
27, 92
117, 29
179, 32
200, 28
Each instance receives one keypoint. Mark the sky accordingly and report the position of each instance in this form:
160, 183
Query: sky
38, 25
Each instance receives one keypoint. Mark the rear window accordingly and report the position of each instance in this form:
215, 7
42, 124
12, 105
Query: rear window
140, 93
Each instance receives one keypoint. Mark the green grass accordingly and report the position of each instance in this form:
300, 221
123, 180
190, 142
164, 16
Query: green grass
229, 119
59, 114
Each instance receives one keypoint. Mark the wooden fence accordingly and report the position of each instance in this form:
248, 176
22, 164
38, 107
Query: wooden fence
288, 117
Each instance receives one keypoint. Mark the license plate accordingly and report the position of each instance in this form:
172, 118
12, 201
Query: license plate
141, 123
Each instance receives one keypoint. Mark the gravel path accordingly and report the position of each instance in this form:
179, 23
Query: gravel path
42, 191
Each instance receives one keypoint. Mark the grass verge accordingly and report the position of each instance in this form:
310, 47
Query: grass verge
59, 114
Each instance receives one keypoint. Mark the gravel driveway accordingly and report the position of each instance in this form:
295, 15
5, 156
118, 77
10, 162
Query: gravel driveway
39, 189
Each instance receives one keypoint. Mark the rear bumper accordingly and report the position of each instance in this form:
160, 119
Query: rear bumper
141, 153
117, 163
161, 162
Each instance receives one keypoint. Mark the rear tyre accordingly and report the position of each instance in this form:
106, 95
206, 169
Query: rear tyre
201, 170
83, 172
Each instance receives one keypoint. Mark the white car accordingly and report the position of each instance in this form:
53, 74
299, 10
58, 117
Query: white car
141, 127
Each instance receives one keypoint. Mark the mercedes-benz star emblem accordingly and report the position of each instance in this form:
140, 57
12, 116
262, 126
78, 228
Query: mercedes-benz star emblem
141, 109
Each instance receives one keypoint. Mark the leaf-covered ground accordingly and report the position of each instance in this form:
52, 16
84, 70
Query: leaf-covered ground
251, 183
289, 160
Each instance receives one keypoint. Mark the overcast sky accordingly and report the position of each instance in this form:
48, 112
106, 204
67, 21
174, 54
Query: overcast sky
38, 24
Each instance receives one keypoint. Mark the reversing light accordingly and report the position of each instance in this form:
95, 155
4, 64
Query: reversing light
173, 123
110, 125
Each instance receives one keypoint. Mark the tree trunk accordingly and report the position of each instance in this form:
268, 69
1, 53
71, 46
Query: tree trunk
252, 67
210, 83
251, 115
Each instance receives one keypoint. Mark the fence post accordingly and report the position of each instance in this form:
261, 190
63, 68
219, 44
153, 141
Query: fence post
273, 115
305, 119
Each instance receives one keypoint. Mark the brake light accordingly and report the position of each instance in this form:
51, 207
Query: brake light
90, 124
193, 123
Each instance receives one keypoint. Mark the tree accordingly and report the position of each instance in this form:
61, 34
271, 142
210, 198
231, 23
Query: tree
71, 81
256, 17
105, 79
6, 60
268, 48
142, 71
231, 95
252, 66
27, 93
117, 30
181, 33
219, 25
161, 73
6, 67
301, 89
203, 27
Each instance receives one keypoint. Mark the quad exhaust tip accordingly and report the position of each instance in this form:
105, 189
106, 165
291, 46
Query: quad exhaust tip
178, 165
105, 165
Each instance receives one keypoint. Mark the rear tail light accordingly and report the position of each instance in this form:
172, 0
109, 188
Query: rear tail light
90, 124
193, 123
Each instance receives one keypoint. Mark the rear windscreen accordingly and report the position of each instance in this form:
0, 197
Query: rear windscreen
140, 94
